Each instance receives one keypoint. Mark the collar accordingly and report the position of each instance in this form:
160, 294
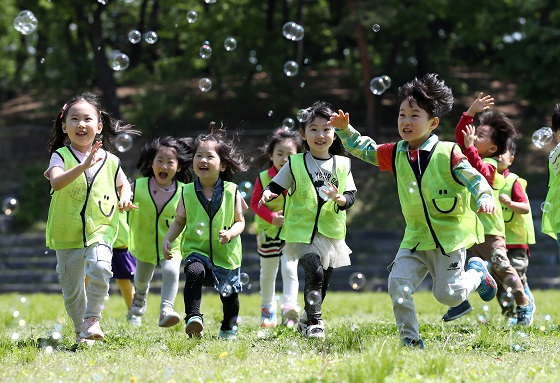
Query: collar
198, 186
272, 171
427, 146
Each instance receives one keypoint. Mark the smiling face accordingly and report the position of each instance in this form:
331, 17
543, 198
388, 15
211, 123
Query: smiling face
165, 165
483, 141
414, 123
82, 125
206, 162
319, 137
282, 150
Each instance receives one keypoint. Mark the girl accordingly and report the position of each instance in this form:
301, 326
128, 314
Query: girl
164, 163
269, 219
211, 213
315, 216
88, 186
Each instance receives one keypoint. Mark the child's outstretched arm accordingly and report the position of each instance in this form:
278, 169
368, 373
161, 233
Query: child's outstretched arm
236, 229
125, 200
61, 178
481, 104
172, 233
476, 185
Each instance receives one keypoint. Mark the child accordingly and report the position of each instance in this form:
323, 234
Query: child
164, 162
315, 215
433, 182
518, 220
211, 213
269, 219
88, 187
488, 140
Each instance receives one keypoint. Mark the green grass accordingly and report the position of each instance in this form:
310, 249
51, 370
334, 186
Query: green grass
361, 345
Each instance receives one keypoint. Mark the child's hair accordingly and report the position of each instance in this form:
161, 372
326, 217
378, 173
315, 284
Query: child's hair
321, 109
111, 126
278, 136
511, 146
183, 147
502, 129
430, 93
556, 118
226, 149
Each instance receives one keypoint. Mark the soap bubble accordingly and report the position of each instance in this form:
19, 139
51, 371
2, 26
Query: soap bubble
291, 68
303, 115
205, 51
134, 36
293, 31
245, 188
123, 142
288, 123
230, 44
313, 297
357, 281
150, 37
244, 278
119, 61
10, 206
542, 136
546, 207
205, 84
376, 27
191, 16
25, 22
378, 85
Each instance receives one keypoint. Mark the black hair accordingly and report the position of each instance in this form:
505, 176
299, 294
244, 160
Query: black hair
279, 135
111, 126
183, 148
501, 129
556, 118
430, 93
226, 149
511, 146
321, 109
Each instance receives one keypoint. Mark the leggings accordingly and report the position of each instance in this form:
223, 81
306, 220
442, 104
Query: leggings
316, 279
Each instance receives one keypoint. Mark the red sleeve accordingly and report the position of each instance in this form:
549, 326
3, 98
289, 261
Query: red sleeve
456, 156
262, 211
517, 193
385, 157
463, 122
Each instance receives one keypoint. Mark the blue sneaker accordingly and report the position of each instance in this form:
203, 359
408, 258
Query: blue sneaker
457, 311
268, 317
487, 288
195, 327
525, 314
228, 334
412, 343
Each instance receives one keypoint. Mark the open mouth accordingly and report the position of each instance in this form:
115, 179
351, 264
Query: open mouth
162, 175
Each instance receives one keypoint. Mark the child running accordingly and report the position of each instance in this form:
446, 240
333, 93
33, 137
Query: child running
164, 163
315, 215
88, 188
434, 180
269, 220
211, 213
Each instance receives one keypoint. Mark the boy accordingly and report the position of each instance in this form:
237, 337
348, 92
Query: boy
551, 213
433, 181
518, 220
488, 140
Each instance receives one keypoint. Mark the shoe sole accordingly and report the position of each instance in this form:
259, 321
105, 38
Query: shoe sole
194, 330
91, 336
290, 316
169, 321
268, 324
449, 319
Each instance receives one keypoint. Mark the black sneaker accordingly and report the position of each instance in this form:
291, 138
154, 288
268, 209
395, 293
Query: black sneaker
457, 311
412, 343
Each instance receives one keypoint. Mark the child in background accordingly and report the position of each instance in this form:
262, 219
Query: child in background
211, 214
269, 219
488, 140
88, 187
164, 162
315, 215
434, 180
520, 232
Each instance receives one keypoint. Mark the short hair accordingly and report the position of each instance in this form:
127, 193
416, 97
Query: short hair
321, 109
511, 146
556, 118
501, 127
430, 93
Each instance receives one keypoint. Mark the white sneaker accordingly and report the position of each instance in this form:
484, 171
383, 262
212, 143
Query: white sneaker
133, 319
139, 304
168, 317
80, 340
91, 329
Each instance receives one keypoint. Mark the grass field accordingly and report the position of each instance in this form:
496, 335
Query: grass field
361, 344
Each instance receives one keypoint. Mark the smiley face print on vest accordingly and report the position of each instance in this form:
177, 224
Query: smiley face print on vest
445, 202
105, 205
169, 221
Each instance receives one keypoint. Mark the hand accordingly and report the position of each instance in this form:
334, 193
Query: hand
330, 190
166, 248
92, 159
505, 199
487, 206
480, 104
278, 218
266, 196
339, 120
469, 135
225, 237
126, 205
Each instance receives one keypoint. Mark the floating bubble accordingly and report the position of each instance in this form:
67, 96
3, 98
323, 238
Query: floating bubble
413, 187
506, 300
15, 336
123, 142
226, 291
288, 123
119, 61
205, 84
547, 317
150, 37
253, 60
313, 297
244, 278
48, 349
201, 228
303, 115
357, 281
482, 319
15, 314
293, 31
134, 36
377, 86
245, 188
10, 206
209, 1
25, 22
270, 113
205, 51
400, 301
192, 16
542, 136
546, 206
485, 308
230, 44
376, 27
386, 81
291, 68
516, 347
302, 84
23, 299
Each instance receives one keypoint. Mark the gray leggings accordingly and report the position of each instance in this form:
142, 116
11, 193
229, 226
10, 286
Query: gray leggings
170, 279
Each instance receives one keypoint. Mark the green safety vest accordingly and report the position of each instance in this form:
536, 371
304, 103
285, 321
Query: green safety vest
493, 223
519, 227
148, 227
551, 214
302, 217
274, 205
202, 232
121, 240
82, 214
435, 206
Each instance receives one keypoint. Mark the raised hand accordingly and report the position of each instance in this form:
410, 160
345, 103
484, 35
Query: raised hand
266, 196
469, 135
339, 120
481, 104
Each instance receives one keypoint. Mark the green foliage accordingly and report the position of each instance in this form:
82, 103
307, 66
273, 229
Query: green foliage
33, 198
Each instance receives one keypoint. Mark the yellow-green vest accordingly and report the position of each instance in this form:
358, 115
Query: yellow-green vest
302, 216
274, 205
121, 240
202, 232
148, 227
435, 206
82, 214
551, 212
519, 227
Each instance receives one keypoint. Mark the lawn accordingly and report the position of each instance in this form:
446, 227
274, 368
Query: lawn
361, 344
